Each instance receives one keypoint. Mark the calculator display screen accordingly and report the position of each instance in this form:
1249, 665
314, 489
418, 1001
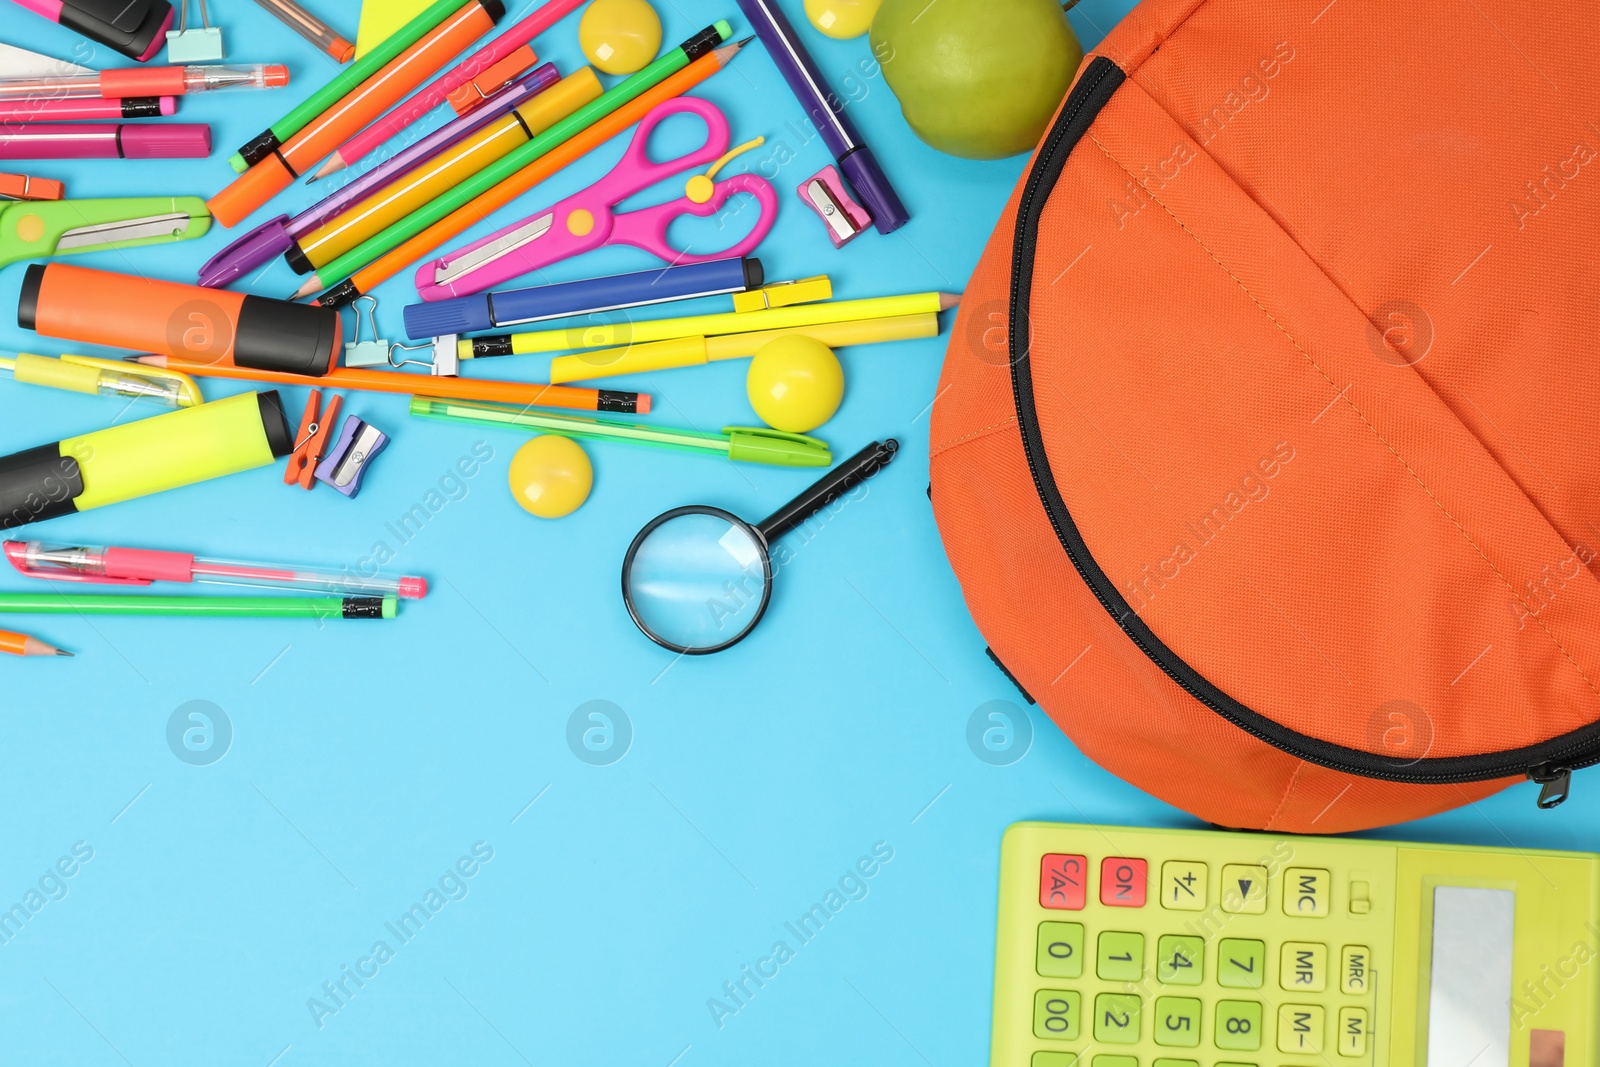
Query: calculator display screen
1469, 1000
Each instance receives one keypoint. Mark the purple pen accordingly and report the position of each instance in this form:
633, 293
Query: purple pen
276, 236
826, 111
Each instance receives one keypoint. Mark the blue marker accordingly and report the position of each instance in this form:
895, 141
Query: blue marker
490, 311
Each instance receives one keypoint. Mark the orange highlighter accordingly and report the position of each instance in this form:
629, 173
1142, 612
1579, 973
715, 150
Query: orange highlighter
448, 169
206, 326
334, 127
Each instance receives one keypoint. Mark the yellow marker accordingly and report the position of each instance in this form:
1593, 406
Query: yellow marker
698, 351
104, 377
634, 333
442, 173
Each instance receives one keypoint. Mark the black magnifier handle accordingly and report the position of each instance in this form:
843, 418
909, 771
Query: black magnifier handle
837, 482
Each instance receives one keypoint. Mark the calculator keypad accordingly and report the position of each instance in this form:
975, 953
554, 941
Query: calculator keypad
1189, 961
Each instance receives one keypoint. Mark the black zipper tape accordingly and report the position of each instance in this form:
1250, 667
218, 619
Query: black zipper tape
1550, 762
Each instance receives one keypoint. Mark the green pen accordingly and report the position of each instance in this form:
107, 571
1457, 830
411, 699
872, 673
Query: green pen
342, 85
336, 276
742, 444
207, 607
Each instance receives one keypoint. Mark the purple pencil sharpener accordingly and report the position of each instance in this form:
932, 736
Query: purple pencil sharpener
346, 463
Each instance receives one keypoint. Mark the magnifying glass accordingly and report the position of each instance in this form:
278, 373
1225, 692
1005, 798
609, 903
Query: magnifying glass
697, 580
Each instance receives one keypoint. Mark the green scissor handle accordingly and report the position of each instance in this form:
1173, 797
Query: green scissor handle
39, 229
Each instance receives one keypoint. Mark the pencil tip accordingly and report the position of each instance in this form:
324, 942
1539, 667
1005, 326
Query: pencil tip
64, 652
949, 300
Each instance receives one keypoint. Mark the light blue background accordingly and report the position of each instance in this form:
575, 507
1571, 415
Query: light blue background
366, 758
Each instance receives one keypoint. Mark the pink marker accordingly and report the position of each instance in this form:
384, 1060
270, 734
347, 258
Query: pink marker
380, 132
136, 28
132, 566
51, 140
133, 107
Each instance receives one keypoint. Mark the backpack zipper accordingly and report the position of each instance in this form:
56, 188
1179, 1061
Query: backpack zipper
1550, 763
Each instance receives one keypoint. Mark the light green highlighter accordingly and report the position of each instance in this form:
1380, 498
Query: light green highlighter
742, 444
1121, 947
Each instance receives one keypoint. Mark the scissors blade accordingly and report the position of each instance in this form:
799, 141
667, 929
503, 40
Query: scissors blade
139, 229
520, 237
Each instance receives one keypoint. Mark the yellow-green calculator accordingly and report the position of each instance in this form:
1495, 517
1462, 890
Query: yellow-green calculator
1121, 947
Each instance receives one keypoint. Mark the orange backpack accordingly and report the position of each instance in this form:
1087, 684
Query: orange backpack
1266, 445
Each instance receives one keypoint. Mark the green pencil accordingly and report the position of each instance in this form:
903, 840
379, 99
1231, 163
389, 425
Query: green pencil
744, 444
217, 607
341, 269
343, 84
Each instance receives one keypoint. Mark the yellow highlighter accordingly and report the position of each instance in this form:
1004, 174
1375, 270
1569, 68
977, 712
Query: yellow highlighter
104, 377
635, 333
141, 458
445, 171
698, 351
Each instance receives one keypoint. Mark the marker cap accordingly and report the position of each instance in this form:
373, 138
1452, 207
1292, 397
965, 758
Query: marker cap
861, 169
168, 140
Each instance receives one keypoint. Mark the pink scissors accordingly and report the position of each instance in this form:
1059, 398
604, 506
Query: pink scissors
586, 221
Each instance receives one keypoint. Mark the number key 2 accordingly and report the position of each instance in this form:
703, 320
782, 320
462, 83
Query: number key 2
1061, 881
1122, 882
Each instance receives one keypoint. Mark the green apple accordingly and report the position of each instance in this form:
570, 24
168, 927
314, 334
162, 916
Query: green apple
977, 78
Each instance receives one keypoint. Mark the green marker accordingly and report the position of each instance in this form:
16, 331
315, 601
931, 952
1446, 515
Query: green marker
742, 444
206, 607
343, 84
338, 273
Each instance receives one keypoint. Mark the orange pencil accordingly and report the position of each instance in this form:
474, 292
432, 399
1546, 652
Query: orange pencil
475, 211
528, 394
23, 645
339, 123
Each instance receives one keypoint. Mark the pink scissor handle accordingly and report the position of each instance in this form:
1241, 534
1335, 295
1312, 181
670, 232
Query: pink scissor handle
647, 229
638, 172
584, 221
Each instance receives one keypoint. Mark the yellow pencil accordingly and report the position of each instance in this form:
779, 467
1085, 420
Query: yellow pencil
698, 351
633, 333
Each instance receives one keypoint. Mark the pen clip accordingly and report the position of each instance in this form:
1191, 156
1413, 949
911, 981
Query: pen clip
16, 553
770, 434
188, 389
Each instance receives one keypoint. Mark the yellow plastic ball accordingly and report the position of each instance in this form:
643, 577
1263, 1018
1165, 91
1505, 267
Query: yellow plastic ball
551, 477
620, 36
843, 19
795, 384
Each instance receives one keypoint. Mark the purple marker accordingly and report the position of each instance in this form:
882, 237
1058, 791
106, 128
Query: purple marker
826, 111
276, 236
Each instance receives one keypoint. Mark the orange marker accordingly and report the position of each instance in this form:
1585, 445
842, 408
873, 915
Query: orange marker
197, 325
527, 394
23, 645
377, 94
476, 211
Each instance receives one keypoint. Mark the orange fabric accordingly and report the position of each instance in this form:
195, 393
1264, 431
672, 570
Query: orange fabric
1311, 316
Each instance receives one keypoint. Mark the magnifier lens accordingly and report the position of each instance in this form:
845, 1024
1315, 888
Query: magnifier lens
697, 581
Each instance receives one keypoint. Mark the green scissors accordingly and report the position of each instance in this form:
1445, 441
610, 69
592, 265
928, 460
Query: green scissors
41, 229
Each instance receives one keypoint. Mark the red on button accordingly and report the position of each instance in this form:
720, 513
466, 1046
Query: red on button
1061, 882
1122, 882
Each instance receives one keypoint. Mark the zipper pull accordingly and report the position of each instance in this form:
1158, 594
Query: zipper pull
1557, 783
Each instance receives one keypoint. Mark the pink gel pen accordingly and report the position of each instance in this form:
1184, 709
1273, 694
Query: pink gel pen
132, 566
